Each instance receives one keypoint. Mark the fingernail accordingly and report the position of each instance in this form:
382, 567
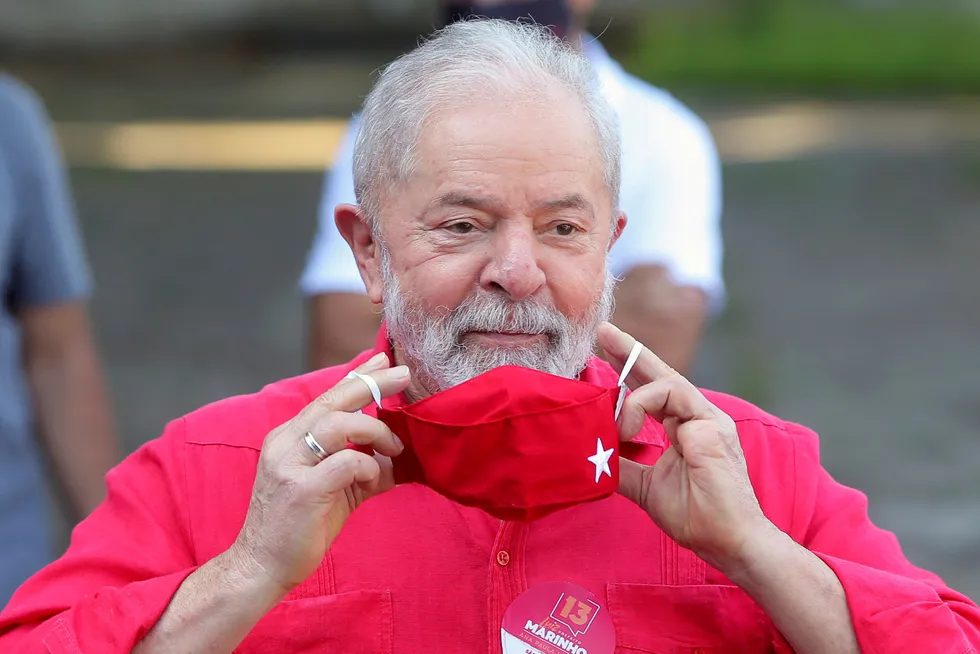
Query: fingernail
377, 359
399, 372
398, 442
616, 331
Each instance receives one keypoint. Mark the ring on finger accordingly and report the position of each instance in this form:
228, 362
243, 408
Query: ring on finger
315, 447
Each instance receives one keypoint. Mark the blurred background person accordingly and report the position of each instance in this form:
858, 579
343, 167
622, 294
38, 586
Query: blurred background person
52, 396
670, 259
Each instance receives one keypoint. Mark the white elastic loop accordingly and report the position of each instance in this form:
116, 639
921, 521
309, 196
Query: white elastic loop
371, 384
619, 401
630, 361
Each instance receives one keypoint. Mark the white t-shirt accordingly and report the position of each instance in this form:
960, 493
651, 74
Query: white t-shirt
671, 192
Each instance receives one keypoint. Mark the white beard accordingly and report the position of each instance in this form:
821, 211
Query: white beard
432, 343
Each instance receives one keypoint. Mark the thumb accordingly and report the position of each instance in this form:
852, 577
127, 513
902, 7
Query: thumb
383, 483
634, 481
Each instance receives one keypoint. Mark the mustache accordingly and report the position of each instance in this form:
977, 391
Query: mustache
486, 311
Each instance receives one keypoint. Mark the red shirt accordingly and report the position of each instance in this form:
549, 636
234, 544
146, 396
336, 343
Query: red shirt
412, 571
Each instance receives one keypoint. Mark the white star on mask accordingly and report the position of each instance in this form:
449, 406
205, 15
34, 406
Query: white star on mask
601, 460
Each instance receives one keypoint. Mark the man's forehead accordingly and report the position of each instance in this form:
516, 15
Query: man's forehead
544, 135
534, 153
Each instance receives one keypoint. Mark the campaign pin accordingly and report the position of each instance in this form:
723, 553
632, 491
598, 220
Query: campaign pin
557, 618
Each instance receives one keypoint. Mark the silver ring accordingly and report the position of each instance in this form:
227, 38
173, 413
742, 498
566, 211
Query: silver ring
315, 447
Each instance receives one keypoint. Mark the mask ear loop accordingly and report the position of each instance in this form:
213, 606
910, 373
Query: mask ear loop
371, 384
630, 362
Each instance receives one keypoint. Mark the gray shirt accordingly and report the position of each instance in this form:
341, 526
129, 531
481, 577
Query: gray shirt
42, 262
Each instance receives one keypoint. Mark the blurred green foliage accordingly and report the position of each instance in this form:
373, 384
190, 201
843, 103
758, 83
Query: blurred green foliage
812, 45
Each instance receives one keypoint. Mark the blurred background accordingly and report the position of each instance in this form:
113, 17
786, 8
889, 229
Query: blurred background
197, 134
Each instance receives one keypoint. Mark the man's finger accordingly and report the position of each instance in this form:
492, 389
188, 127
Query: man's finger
341, 470
334, 430
350, 395
671, 398
386, 478
617, 345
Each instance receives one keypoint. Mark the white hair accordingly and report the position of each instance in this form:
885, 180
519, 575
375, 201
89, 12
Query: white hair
466, 62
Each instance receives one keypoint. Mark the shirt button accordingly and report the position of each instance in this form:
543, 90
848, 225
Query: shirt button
503, 558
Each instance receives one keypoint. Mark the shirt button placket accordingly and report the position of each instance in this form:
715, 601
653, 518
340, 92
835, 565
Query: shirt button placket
506, 576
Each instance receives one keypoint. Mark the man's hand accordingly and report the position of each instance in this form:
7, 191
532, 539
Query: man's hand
700, 495
300, 503
698, 492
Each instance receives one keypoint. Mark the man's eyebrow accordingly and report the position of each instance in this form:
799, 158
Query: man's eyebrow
574, 201
457, 199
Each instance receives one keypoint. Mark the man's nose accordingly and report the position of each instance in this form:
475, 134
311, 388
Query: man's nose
513, 267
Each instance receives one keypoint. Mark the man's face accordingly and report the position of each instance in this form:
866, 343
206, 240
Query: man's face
494, 253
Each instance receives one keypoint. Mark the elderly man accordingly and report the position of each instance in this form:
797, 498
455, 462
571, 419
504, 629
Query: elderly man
476, 509
670, 264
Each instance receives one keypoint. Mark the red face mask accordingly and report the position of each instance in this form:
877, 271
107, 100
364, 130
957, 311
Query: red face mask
515, 442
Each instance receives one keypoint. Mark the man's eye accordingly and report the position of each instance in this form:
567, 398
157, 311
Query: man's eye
565, 229
460, 228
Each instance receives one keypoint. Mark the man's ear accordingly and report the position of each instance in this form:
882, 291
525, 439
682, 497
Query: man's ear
619, 224
353, 226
